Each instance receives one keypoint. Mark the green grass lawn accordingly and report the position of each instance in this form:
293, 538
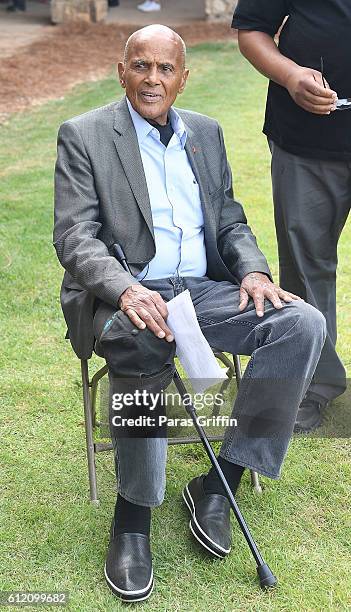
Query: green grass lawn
51, 537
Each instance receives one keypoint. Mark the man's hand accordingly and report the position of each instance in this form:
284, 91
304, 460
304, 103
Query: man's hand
258, 286
146, 308
306, 88
305, 85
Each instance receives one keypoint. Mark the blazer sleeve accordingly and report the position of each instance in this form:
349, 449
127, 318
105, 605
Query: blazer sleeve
236, 243
77, 222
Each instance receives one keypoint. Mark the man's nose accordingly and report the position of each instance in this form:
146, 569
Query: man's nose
152, 77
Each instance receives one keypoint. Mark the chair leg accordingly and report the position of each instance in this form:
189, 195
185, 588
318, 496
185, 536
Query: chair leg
94, 383
88, 420
255, 481
237, 368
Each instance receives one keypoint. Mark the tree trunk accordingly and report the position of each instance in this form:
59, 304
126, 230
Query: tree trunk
78, 10
220, 10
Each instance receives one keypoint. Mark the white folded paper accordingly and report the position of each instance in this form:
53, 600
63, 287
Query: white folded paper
193, 350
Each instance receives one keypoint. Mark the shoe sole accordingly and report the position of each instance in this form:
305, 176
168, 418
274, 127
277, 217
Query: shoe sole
130, 596
307, 430
198, 532
301, 431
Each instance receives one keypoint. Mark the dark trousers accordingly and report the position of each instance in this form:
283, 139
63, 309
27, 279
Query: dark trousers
311, 203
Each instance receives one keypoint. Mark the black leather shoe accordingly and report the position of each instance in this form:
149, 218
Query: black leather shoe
309, 416
128, 568
210, 517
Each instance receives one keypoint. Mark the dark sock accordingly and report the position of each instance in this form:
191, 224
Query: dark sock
131, 518
231, 471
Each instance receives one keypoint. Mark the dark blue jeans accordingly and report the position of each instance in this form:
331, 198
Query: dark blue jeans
285, 346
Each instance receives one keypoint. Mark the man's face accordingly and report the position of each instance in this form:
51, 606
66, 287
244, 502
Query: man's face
153, 75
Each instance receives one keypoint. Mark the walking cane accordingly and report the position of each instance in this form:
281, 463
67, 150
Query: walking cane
265, 574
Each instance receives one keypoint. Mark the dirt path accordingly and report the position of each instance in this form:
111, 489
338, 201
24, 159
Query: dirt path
72, 54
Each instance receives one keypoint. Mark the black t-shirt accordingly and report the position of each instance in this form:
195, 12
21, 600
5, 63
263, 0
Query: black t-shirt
314, 28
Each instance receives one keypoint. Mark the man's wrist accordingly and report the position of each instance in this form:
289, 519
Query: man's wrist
290, 73
119, 301
134, 287
254, 274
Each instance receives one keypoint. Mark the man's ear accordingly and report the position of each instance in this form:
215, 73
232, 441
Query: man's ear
184, 80
121, 70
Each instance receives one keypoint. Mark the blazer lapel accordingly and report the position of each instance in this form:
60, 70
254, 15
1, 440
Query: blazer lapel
126, 143
197, 162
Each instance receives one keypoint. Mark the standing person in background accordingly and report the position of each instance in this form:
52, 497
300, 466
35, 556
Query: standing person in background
149, 6
17, 5
310, 142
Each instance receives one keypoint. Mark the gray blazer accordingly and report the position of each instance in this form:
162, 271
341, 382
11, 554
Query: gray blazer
101, 198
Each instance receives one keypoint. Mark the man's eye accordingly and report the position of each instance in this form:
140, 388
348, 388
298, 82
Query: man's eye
167, 68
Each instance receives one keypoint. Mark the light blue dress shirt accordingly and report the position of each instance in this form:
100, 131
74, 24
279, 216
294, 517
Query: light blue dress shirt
175, 202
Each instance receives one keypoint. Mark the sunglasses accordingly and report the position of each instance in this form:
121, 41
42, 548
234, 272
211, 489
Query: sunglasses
343, 103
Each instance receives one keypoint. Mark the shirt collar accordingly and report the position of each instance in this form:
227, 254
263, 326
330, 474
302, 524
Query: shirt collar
143, 128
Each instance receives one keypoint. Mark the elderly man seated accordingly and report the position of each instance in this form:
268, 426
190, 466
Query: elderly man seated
155, 179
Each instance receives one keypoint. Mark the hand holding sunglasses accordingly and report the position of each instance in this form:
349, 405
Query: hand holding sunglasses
342, 103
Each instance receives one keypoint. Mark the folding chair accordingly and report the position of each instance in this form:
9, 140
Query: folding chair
90, 388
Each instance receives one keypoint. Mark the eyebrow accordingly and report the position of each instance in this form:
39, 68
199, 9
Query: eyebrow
144, 61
